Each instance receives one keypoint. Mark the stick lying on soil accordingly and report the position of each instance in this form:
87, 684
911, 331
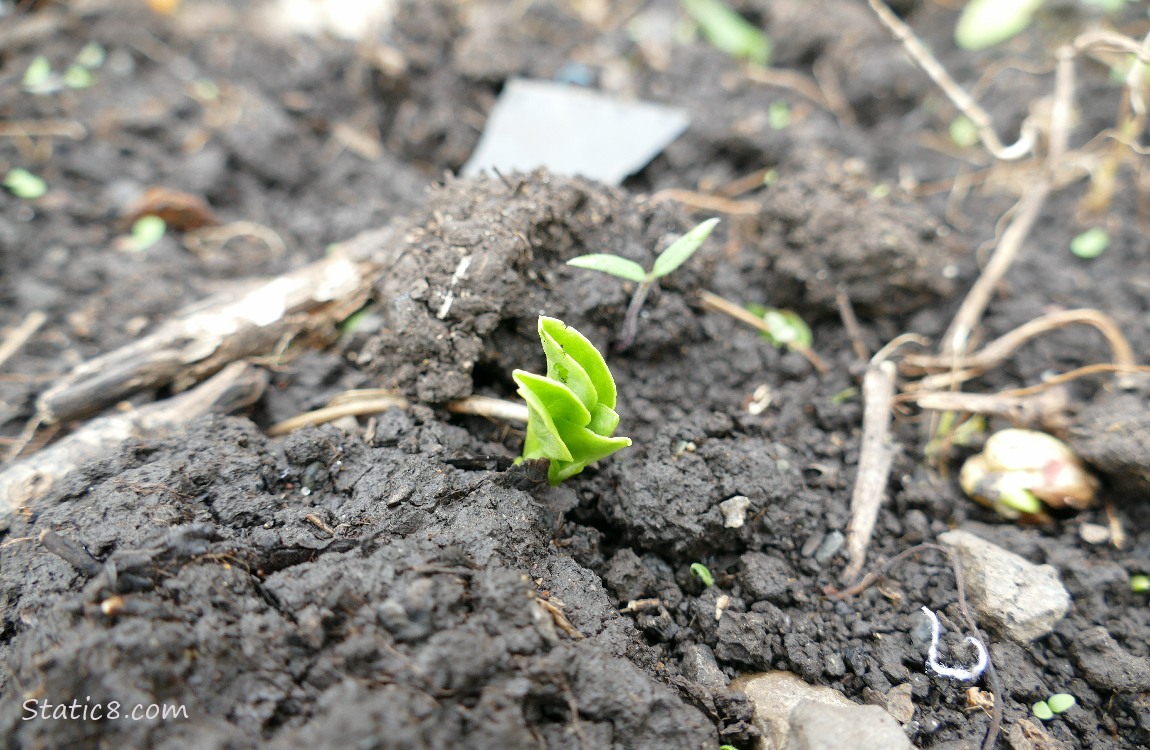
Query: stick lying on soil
25, 482
211, 334
875, 457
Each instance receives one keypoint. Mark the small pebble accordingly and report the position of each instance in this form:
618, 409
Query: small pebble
1093, 533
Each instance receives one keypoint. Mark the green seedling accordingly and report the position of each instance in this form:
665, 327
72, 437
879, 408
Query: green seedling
1139, 583
786, 328
729, 32
779, 115
570, 410
676, 254
703, 573
23, 184
1022, 472
963, 132
1060, 703
985, 23
146, 231
1042, 710
1090, 244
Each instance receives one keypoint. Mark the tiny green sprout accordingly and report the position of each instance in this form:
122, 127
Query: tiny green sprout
985, 23
570, 410
91, 56
785, 327
23, 184
728, 747
963, 132
729, 32
1091, 243
703, 573
1140, 583
779, 115
77, 77
146, 231
1042, 710
38, 76
845, 395
1060, 703
676, 254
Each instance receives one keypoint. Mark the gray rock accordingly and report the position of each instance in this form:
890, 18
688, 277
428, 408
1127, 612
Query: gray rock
774, 695
699, 666
1014, 596
820, 726
1108, 666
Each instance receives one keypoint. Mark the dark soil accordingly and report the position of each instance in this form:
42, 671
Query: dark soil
399, 586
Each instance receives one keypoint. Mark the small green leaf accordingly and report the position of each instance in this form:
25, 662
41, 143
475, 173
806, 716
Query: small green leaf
985, 23
612, 264
1091, 243
38, 76
147, 231
963, 132
1042, 711
1139, 583
729, 32
91, 56
682, 249
1061, 702
77, 77
703, 573
24, 184
779, 115
845, 395
788, 329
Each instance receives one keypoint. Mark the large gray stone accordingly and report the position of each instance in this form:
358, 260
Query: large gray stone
774, 695
1014, 596
821, 726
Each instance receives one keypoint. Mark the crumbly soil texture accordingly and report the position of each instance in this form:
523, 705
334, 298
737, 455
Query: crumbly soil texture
396, 581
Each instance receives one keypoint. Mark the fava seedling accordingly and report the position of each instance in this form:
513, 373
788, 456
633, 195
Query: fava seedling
570, 410
676, 254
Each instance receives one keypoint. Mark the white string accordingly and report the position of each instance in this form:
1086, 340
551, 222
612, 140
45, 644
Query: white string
956, 673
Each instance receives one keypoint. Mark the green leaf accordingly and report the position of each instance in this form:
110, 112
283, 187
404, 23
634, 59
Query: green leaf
77, 77
985, 23
91, 56
729, 32
553, 397
1061, 702
1140, 583
570, 411
576, 346
147, 231
1042, 711
1091, 243
779, 115
786, 327
703, 573
963, 132
38, 75
612, 264
24, 184
682, 249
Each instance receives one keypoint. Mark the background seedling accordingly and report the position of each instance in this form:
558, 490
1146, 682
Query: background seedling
985, 23
1139, 583
729, 32
570, 410
784, 328
703, 573
1091, 243
146, 231
23, 184
676, 254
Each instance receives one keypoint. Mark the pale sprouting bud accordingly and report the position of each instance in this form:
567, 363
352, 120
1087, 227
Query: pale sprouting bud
1019, 470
